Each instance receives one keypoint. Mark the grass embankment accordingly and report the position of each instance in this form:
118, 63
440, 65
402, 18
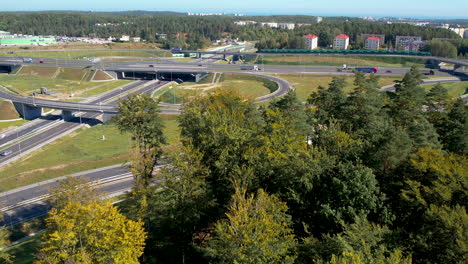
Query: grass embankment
350, 60
455, 89
73, 54
7, 111
82, 150
83, 45
102, 76
248, 86
307, 84
7, 125
62, 81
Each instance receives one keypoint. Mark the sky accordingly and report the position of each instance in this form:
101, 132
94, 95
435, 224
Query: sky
397, 8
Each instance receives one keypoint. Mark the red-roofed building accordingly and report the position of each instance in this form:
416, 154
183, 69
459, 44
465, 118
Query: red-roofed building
311, 41
372, 43
341, 42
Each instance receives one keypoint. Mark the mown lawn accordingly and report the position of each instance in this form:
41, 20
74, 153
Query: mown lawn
350, 60
307, 84
82, 150
455, 89
248, 86
27, 84
73, 54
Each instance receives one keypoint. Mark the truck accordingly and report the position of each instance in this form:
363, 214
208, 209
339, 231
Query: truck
27, 60
249, 68
366, 70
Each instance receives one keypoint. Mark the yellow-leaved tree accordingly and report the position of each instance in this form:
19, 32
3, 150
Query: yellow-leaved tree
95, 232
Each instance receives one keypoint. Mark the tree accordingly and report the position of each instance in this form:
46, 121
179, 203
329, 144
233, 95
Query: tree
257, 230
453, 129
442, 49
91, 233
139, 115
4, 242
179, 208
73, 189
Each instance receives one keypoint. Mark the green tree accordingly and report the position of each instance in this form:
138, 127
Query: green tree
91, 233
442, 49
179, 207
257, 230
4, 242
139, 115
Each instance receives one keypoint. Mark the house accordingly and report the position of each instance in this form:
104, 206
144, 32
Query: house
408, 43
160, 36
372, 43
125, 38
136, 39
380, 36
341, 42
289, 26
311, 41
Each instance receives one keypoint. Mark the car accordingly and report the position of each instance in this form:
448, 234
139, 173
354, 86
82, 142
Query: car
151, 66
2, 136
388, 71
200, 65
41, 61
5, 152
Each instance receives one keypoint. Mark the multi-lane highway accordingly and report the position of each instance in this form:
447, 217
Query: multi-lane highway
28, 202
37, 140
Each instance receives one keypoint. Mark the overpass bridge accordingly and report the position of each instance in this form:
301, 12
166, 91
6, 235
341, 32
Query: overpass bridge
31, 107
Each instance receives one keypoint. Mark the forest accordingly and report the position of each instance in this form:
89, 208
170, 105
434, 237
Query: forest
365, 177
202, 30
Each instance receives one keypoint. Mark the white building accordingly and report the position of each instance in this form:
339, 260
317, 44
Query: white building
136, 39
245, 23
372, 43
289, 26
341, 42
125, 38
318, 19
270, 24
311, 41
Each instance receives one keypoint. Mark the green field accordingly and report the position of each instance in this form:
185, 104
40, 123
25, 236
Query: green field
27, 84
12, 124
350, 60
82, 150
456, 89
71, 54
306, 84
248, 86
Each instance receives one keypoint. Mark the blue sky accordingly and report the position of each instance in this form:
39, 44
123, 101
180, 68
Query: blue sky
402, 8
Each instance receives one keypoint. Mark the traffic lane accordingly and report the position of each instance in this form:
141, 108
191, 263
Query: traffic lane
23, 131
38, 139
41, 208
36, 190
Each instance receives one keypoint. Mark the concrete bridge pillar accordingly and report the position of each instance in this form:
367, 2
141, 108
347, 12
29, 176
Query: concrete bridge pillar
107, 117
200, 76
28, 112
224, 56
199, 55
67, 115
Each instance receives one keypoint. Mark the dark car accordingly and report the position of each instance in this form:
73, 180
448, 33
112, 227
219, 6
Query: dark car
5, 152
151, 66
41, 61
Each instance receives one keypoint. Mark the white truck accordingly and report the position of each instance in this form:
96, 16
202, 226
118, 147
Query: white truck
27, 60
249, 68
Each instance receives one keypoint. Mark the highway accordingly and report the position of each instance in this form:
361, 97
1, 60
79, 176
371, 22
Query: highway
28, 202
35, 141
46, 121
141, 66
